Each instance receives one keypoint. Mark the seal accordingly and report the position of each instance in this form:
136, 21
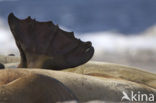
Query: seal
110, 70
45, 45
42, 85
27, 87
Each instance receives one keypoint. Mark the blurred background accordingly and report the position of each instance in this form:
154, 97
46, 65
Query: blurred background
122, 31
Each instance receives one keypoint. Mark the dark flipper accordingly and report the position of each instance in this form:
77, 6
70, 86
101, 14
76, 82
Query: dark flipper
45, 45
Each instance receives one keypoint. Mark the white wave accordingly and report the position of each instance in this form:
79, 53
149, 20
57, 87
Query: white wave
110, 41
7, 44
102, 41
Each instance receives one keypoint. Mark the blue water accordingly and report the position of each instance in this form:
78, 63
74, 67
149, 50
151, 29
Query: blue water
83, 16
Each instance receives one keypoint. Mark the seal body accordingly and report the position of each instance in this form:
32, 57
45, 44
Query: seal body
28, 87
63, 86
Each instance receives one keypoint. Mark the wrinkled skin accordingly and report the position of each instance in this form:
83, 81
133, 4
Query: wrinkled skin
102, 69
48, 86
109, 70
45, 45
28, 87
106, 81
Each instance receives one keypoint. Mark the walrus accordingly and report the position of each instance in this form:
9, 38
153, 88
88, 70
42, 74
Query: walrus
103, 70
45, 45
110, 70
30, 84
60, 55
107, 70
28, 87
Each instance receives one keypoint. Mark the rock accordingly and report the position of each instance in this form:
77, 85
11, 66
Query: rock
11, 55
1, 66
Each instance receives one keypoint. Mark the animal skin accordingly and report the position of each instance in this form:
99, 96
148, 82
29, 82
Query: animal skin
110, 70
84, 87
45, 45
18, 86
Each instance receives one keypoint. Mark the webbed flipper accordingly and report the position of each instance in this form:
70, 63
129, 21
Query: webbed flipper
45, 45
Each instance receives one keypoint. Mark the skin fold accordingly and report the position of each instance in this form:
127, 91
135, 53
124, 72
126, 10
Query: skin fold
84, 87
109, 70
28, 87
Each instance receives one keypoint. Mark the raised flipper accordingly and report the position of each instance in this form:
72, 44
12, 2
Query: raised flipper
17, 87
45, 45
